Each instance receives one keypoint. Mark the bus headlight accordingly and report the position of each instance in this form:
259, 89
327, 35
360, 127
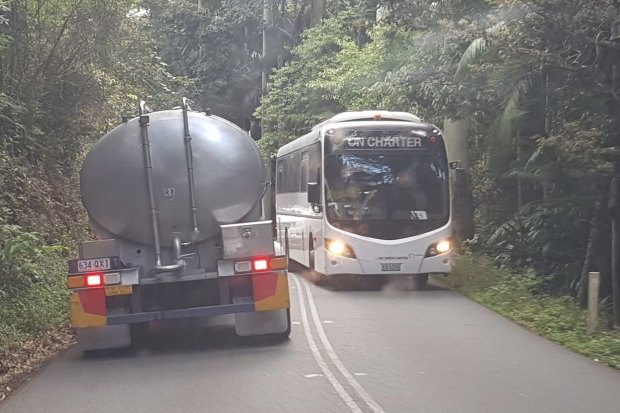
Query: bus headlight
439, 247
338, 247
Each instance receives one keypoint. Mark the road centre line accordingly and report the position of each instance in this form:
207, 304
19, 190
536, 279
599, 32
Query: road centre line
344, 395
334, 357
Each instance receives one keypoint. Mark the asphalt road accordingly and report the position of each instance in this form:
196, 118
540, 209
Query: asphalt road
350, 351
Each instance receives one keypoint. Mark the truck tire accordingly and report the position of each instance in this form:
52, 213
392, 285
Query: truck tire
138, 335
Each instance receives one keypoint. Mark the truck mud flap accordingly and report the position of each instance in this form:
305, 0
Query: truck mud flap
271, 291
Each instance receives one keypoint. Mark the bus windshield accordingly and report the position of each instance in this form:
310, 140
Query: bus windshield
387, 196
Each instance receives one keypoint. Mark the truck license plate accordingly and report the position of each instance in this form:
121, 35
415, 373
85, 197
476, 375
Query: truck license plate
94, 264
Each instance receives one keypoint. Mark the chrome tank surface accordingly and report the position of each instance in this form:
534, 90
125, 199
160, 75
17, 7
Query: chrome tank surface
228, 173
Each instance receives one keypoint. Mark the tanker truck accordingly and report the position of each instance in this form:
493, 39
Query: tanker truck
174, 200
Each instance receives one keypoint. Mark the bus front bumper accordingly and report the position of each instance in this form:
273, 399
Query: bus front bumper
416, 265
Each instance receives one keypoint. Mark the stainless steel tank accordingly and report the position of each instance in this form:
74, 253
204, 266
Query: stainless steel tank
228, 174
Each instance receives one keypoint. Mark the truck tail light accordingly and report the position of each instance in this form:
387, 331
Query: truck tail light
260, 264
94, 279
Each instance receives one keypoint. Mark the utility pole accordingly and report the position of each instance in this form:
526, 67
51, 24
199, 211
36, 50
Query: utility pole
268, 63
267, 41
269, 49
316, 12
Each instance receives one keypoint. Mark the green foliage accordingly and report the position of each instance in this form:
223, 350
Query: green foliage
299, 95
32, 285
557, 318
347, 63
68, 69
219, 45
547, 239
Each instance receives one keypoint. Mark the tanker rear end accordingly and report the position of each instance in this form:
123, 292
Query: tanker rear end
174, 199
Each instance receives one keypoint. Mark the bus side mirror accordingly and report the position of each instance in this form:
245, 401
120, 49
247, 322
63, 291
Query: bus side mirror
314, 197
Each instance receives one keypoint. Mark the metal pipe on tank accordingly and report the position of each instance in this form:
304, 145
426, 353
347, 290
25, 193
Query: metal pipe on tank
180, 263
189, 158
148, 165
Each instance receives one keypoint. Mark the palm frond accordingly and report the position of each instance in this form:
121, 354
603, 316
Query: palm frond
501, 148
471, 55
533, 176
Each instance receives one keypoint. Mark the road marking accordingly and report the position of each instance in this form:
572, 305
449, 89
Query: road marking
310, 376
295, 323
334, 357
344, 395
328, 322
361, 374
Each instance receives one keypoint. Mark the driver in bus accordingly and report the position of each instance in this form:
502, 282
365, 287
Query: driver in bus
409, 189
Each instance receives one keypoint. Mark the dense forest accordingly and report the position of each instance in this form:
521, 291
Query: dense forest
528, 88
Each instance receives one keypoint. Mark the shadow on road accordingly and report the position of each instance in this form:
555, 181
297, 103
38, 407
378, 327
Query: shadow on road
350, 282
187, 336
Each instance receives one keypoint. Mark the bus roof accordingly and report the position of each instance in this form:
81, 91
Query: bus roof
306, 140
377, 115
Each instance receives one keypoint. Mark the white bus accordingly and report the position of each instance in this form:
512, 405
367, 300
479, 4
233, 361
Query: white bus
366, 193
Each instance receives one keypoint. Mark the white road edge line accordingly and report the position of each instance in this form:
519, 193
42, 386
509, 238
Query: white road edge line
344, 395
334, 357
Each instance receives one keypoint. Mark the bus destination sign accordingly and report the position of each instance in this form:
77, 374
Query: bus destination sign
384, 142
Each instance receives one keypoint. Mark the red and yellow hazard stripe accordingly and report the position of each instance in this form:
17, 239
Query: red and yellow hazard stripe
271, 291
88, 308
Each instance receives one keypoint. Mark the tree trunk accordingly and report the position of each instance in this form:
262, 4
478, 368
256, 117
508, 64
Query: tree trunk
317, 11
614, 198
614, 195
592, 248
456, 137
547, 183
456, 133
519, 179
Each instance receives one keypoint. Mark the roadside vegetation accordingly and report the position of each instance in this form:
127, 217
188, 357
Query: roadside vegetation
518, 296
33, 293
68, 70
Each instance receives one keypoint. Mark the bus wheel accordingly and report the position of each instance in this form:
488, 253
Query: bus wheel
292, 265
311, 254
420, 281
286, 247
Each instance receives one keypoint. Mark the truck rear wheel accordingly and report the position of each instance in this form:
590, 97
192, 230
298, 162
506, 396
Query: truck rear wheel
138, 335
